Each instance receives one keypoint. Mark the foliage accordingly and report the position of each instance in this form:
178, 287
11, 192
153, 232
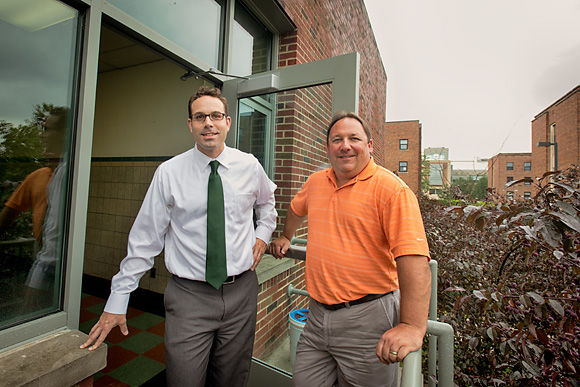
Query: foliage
21, 152
510, 275
424, 175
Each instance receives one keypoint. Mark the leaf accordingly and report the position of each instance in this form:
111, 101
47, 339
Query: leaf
569, 365
479, 223
557, 307
473, 342
479, 294
453, 288
568, 220
532, 368
558, 254
491, 333
539, 299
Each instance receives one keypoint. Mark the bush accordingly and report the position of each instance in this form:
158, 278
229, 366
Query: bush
510, 275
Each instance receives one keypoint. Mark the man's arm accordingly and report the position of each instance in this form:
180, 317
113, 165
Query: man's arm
279, 246
415, 287
7, 217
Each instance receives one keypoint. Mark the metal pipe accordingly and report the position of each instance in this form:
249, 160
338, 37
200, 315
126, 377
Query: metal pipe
411, 370
445, 333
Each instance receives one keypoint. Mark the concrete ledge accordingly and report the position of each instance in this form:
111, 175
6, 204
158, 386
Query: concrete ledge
53, 360
270, 267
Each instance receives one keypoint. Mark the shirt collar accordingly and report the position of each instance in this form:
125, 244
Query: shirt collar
202, 161
369, 170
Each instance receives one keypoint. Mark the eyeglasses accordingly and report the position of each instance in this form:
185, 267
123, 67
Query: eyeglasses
214, 116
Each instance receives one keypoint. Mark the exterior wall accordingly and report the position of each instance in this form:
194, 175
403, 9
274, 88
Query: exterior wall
411, 131
565, 114
498, 174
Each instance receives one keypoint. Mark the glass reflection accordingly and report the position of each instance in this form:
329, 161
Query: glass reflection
33, 154
194, 25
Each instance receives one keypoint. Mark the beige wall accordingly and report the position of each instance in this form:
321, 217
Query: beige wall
142, 111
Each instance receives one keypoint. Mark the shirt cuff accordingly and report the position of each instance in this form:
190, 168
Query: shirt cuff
264, 234
117, 303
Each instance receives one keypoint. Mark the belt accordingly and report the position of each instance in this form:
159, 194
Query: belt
362, 300
232, 278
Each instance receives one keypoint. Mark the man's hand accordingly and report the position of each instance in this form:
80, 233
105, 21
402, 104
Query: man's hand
102, 328
415, 286
398, 342
259, 249
279, 247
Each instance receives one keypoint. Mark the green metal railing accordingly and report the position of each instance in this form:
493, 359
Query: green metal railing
440, 335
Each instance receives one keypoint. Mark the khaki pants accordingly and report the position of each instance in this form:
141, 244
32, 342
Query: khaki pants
338, 348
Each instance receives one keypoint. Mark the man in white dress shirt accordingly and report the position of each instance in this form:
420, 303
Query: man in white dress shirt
209, 333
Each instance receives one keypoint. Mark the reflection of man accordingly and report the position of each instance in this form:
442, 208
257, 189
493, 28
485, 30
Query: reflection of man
41, 191
32, 192
365, 242
209, 328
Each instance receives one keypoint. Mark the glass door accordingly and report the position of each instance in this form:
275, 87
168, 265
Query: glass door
281, 118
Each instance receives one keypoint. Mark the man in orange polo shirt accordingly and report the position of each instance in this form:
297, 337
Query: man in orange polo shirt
367, 269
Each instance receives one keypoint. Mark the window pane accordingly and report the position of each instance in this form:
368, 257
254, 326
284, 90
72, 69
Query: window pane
194, 25
35, 100
252, 44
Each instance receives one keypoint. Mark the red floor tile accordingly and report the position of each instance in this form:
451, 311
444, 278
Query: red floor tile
115, 336
87, 315
157, 353
132, 312
116, 357
87, 302
107, 381
158, 329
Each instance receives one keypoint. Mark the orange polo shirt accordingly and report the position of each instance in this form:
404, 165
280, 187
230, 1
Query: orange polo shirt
355, 232
32, 193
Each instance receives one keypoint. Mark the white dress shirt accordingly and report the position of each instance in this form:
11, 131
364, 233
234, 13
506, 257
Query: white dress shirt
174, 215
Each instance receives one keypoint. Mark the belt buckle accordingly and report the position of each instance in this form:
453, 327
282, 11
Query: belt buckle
230, 282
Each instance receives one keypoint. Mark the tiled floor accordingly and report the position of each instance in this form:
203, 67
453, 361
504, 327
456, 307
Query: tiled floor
137, 359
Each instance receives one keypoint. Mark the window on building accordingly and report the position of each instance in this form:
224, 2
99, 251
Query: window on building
403, 144
527, 166
436, 174
510, 178
527, 195
252, 48
509, 195
403, 166
528, 182
510, 166
36, 130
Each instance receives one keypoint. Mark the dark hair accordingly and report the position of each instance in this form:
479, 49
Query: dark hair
342, 114
204, 91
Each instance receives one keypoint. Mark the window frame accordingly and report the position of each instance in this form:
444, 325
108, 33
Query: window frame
403, 144
403, 167
509, 166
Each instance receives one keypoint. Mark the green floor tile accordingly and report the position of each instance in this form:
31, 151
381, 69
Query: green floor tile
87, 325
137, 371
141, 342
97, 308
145, 321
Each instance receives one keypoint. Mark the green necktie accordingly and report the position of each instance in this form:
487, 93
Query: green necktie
215, 263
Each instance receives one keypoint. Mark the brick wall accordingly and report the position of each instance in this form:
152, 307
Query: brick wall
410, 131
565, 115
498, 174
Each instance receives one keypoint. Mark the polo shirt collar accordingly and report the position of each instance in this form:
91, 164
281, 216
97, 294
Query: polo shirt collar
368, 171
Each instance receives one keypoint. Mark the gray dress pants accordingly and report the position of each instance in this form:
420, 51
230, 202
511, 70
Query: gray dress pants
209, 333
338, 347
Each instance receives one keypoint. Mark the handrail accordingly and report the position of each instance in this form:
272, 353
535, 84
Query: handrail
411, 371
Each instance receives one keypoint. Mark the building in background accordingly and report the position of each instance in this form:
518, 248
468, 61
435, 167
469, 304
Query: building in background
403, 151
555, 146
504, 168
440, 169
556, 135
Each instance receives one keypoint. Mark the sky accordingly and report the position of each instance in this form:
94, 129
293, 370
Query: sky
476, 73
